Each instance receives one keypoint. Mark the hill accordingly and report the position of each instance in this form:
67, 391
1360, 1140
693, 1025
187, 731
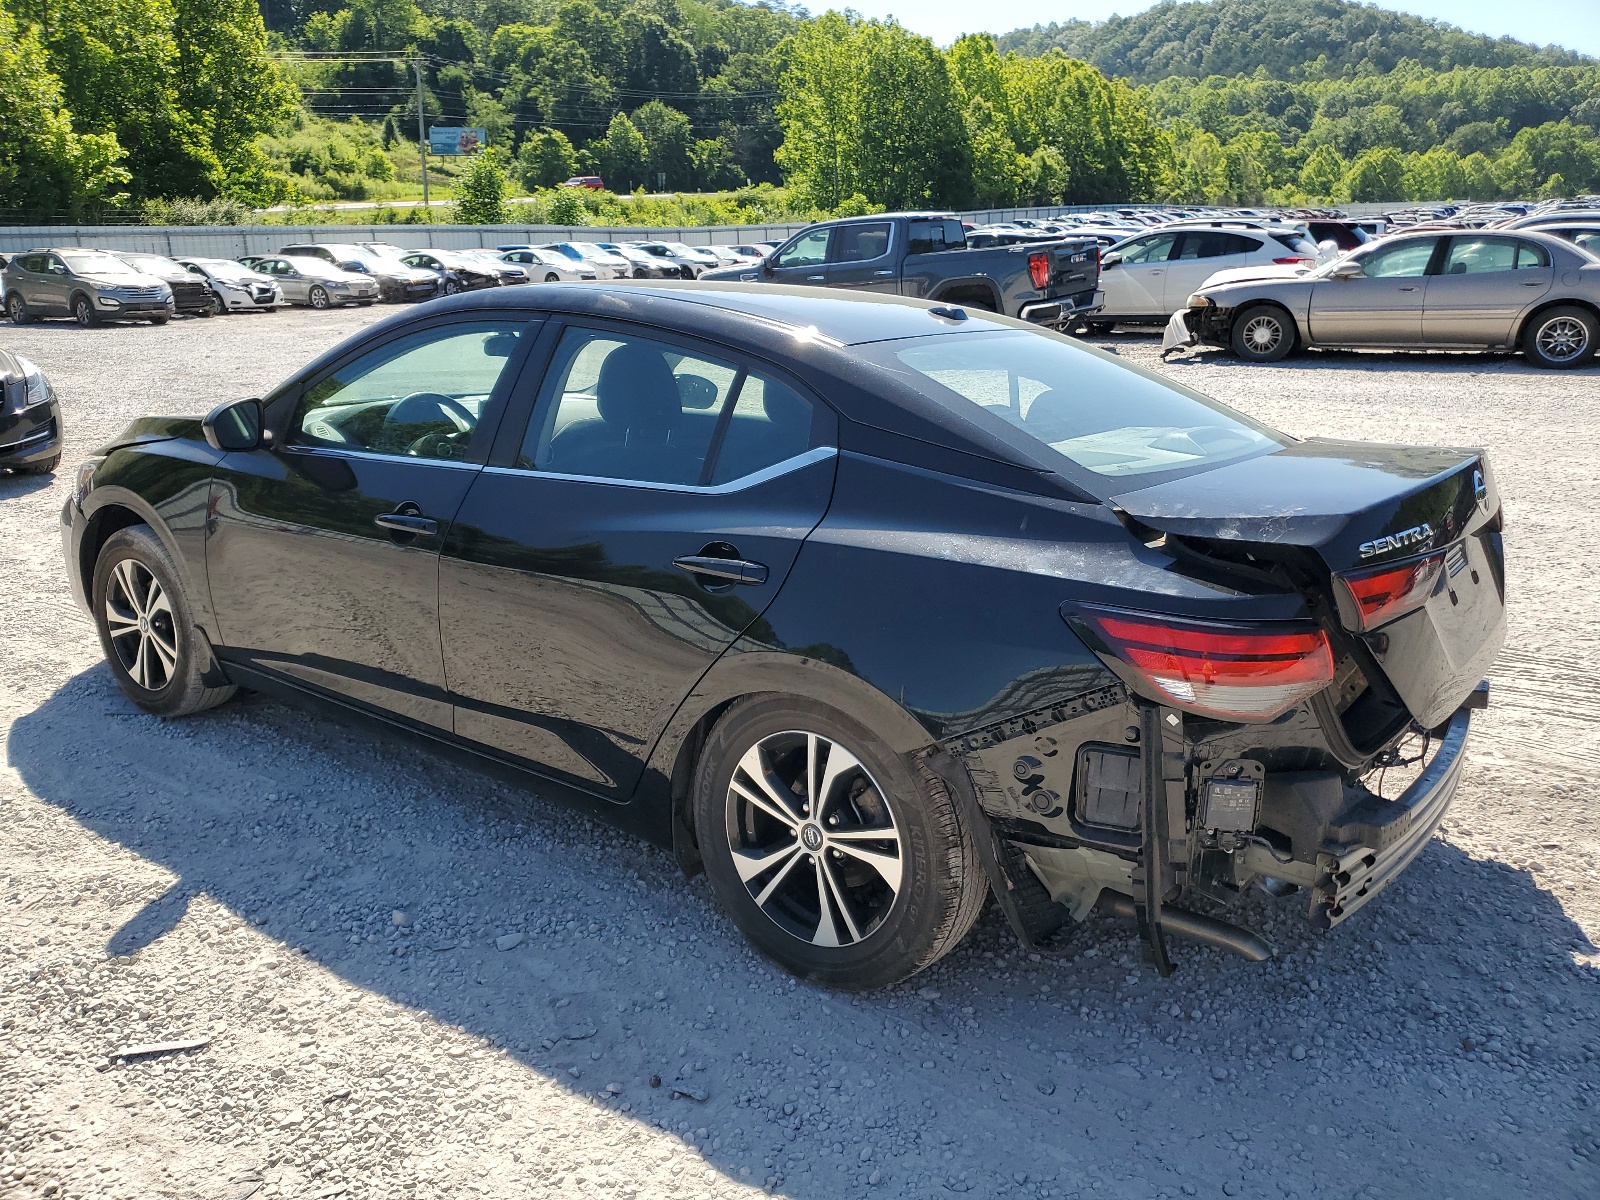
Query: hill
1292, 39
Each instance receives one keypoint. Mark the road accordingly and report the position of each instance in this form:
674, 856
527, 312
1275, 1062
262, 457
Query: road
239, 877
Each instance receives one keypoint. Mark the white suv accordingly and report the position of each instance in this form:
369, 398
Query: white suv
1149, 276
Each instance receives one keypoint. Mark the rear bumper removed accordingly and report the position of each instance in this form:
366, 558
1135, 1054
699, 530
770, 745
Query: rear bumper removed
1064, 310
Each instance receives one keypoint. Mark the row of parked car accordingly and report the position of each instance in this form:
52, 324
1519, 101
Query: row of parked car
92, 286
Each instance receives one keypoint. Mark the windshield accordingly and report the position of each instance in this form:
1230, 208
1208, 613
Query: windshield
150, 264
89, 263
1100, 414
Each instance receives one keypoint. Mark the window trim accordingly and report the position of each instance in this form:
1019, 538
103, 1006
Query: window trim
794, 462
529, 403
284, 405
833, 241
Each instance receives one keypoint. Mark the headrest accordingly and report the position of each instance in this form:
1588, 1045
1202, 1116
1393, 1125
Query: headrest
636, 390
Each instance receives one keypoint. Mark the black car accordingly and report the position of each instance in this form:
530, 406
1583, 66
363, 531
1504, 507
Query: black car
190, 294
868, 607
30, 418
396, 281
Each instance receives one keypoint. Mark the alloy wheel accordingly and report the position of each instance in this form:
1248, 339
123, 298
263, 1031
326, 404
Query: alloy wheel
140, 624
83, 311
318, 298
1262, 334
813, 839
1562, 339
17, 308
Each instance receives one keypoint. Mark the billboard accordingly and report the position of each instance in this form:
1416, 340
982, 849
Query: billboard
455, 139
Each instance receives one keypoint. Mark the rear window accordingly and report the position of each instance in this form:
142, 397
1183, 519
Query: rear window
1099, 414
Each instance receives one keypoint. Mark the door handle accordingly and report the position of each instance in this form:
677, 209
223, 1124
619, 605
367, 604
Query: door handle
885, 274
1534, 283
728, 570
400, 522
815, 278
1408, 289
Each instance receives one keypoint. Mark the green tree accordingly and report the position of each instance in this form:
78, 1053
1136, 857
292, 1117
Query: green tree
668, 139
45, 167
545, 159
1322, 175
913, 150
481, 191
567, 208
1377, 174
1436, 175
1200, 172
820, 110
622, 155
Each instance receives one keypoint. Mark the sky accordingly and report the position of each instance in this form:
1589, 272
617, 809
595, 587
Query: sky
1571, 23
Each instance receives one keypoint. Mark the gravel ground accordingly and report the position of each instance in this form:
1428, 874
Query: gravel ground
328, 907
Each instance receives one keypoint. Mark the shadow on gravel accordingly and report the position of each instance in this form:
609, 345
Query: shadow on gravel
1446, 1032
13, 485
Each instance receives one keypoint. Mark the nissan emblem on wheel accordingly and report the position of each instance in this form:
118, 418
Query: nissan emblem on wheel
867, 610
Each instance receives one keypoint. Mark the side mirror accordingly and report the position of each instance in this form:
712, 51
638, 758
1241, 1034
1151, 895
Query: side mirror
766, 266
240, 425
1348, 270
1111, 260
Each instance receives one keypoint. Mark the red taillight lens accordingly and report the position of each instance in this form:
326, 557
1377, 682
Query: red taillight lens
1385, 593
1293, 262
1233, 672
1039, 269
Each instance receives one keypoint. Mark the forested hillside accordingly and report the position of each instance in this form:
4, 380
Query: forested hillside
1291, 39
115, 108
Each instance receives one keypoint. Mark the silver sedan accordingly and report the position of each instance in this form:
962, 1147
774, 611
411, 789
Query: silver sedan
1466, 290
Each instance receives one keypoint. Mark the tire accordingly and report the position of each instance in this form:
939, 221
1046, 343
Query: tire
881, 923
552, 277
157, 666
17, 309
1099, 328
214, 309
1263, 333
366, 303
451, 287
1561, 338
160, 319
47, 467
272, 309
83, 312
318, 297
640, 273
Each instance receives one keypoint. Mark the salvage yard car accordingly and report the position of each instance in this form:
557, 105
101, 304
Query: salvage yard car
90, 286
315, 283
869, 607
1477, 290
926, 255
30, 418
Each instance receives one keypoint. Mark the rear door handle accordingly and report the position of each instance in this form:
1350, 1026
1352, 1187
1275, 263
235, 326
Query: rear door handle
888, 274
815, 278
1408, 289
396, 522
728, 570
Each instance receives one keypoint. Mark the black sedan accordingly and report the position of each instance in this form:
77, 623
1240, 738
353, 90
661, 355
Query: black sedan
30, 418
455, 272
867, 607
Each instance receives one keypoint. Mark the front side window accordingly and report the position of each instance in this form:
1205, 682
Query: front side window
808, 250
421, 396
1150, 250
1095, 412
860, 243
1408, 260
618, 406
1480, 256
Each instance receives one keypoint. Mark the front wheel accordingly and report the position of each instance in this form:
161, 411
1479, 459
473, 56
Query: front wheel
1263, 333
146, 627
160, 319
1561, 338
83, 311
318, 297
552, 277
44, 467
451, 287
835, 856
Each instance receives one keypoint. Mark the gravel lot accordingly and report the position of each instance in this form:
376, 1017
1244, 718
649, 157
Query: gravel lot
240, 877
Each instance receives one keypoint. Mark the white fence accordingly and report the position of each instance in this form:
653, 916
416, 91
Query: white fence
236, 241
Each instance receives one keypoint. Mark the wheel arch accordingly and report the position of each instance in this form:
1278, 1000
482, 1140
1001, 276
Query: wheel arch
742, 673
1544, 306
966, 290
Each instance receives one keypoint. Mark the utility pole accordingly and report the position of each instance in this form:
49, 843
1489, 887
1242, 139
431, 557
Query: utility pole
422, 135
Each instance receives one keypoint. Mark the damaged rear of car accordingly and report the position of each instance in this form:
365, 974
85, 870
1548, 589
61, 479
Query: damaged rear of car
1290, 639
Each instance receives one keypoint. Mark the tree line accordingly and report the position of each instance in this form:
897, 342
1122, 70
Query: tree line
116, 104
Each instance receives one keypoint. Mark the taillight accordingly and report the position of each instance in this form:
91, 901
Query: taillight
1235, 672
1296, 261
1384, 593
1039, 269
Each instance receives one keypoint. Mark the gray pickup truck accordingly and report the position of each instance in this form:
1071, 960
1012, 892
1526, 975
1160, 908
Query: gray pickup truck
926, 255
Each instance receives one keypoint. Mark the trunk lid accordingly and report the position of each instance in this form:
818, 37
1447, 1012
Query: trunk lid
1356, 506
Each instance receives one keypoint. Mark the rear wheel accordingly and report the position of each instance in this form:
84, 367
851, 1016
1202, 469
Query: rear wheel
146, 628
1561, 338
830, 852
83, 311
17, 309
1263, 333
1099, 328
318, 297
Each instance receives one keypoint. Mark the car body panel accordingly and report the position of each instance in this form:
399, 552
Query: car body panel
31, 432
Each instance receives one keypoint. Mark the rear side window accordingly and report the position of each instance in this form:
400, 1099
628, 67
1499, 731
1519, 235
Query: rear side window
1212, 244
1586, 240
631, 408
1530, 256
860, 243
1093, 411
1479, 256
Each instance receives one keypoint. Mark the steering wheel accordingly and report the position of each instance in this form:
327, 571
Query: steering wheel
429, 408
